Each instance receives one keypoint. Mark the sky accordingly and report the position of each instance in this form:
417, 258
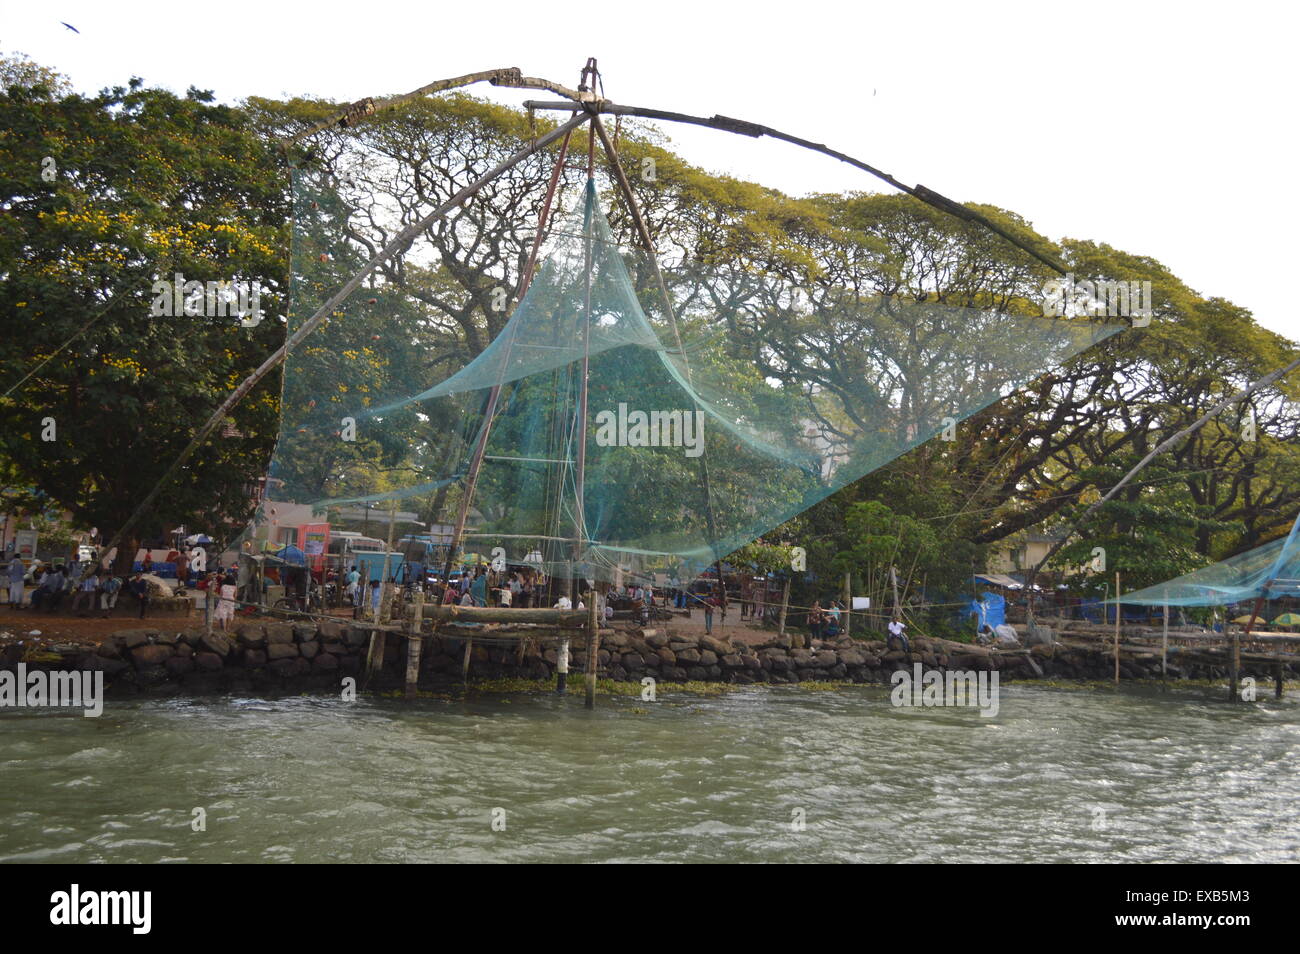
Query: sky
1162, 129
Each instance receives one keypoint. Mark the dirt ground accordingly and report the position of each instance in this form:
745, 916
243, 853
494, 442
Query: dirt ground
62, 628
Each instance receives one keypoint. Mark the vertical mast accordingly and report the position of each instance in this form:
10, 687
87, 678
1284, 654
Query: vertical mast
480, 447
580, 422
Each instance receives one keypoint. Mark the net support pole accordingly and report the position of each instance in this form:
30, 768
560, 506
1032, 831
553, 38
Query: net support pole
1118, 614
1234, 666
593, 647
464, 662
785, 607
848, 601
1254, 615
580, 423
384, 612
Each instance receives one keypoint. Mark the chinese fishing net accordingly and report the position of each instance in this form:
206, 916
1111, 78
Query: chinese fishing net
714, 413
1271, 570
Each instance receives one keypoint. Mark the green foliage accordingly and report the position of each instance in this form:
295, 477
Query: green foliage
141, 184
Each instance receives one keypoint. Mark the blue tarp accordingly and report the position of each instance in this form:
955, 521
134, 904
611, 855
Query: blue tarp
990, 608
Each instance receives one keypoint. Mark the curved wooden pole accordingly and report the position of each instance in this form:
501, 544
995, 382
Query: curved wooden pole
754, 130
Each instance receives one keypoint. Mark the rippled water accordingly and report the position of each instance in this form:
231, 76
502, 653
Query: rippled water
1057, 775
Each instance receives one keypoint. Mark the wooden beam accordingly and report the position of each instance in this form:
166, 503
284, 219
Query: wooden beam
505, 614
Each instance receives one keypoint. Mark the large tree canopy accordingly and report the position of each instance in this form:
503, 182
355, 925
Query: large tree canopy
103, 196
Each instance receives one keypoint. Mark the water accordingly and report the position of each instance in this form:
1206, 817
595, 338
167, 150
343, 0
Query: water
1057, 775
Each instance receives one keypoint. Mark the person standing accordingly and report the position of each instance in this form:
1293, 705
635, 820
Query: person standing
647, 604
140, 587
353, 582
816, 619
709, 602
478, 589
226, 608
146, 565
16, 573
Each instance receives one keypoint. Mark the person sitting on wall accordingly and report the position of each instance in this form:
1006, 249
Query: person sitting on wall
832, 627
86, 593
896, 633
108, 595
50, 590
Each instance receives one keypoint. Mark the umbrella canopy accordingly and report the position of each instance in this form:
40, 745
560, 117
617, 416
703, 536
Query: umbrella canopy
1246, 618
1287, 619
292, 555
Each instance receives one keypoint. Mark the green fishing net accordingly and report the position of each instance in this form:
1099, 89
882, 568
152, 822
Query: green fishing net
719, 403
1271, 570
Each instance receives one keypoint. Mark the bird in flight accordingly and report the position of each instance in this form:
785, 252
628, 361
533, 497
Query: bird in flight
71, 27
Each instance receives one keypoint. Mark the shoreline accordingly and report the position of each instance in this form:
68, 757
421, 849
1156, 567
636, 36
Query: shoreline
276, 656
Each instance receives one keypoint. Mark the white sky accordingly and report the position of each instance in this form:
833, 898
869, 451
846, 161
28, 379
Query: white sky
1163, 129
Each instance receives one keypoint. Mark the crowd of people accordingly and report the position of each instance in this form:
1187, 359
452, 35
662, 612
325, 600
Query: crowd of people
85, 589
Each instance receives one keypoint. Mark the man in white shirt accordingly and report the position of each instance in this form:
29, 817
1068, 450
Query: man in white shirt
563, 603
896, 632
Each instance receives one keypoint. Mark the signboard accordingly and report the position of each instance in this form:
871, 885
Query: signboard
862, 602
25, 545
314, 541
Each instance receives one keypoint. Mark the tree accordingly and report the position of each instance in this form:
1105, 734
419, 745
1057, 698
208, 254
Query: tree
103, 197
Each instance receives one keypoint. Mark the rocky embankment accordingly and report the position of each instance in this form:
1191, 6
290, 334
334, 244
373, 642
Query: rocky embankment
272, 655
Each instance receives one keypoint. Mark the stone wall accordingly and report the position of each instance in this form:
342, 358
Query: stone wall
278, 655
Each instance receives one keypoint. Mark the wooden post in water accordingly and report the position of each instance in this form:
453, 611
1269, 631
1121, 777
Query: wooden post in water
414, 644
1234, 667
562, 666
785, 605
1164, 651
593, 647
464, 663
848, 602
1117, 615
1277, 674
375, 657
